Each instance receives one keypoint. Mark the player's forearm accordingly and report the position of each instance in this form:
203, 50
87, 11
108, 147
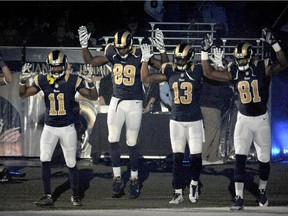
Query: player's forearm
6, 72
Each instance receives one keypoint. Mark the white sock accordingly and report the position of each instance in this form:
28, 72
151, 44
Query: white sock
117, 171
134, 174
194, 183
178, 191
262, 184
239, 187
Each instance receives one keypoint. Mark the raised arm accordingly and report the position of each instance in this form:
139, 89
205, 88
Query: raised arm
90, 92
26, 91
87, 56
208, 71
282, 61
145, 74
158, 42
7, 78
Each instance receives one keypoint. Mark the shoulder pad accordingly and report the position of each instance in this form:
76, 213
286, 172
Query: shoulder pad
255, 62
136, 50
107, 46
192, 67
266, 62
163, 66
229, 66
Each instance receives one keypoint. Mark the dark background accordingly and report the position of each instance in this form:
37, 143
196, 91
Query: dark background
244, 18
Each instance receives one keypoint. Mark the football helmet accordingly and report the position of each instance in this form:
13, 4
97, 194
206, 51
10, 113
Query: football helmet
123, 41
182, 56
243, 50
56, 63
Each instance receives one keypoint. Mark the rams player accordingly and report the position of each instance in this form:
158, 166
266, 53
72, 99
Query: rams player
126, 102
59, 88
251, 79
184, 79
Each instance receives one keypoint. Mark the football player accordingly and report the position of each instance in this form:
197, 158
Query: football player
59, 88
126, 102
184, 79
251, 79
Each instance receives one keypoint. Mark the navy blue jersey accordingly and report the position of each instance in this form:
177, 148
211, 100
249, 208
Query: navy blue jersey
253, 88
127, 83
59, 98
185, 88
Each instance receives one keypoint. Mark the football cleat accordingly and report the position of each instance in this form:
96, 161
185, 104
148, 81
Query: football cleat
117, 186
75, 200
134, 188
177, 198
46, 200
238, 204
263, 201
194, 193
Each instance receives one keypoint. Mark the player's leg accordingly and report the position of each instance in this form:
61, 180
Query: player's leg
115, 121
195, 139
243, 137
48, 142
263, 148
133, 123
178, 144
68, 142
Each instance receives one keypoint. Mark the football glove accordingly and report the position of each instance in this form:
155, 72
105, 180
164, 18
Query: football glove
146, 54
83, 36
158, 41
216, 58
87, 73
268, 36
206, 43
26, 71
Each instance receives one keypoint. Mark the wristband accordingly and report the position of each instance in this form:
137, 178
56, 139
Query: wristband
276, 47
204, 55
2, 64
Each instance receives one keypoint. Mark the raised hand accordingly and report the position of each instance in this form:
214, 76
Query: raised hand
83, 36
217, 57
206, 43
146, 54
158, 41
26, 71
268, 36
87, 73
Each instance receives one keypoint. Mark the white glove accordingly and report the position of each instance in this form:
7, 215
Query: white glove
87, 73
83, 36
217, 56
26, 71
158, 41
206, 43
146, 54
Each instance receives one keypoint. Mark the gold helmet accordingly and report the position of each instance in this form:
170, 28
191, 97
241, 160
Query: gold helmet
56, 59
243, 50
123, 40
183, 55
